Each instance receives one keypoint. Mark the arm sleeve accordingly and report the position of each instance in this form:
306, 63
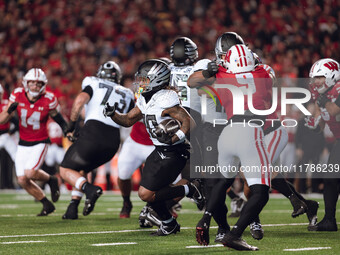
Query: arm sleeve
88, 89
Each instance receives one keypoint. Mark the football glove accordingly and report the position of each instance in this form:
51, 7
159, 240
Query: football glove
313, 123
322, 100
12, 107
109, 110
211, 70
162, 136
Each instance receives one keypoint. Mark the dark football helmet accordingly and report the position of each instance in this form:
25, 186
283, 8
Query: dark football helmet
183, 51
152, 75
110, 70
223, 44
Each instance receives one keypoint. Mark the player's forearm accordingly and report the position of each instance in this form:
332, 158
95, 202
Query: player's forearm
78, 105
4, 117
332, 108
197, 80
123, 119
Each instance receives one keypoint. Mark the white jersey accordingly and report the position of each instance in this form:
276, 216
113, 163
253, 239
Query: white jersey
152, 111
106, 91
179, 77
213, 110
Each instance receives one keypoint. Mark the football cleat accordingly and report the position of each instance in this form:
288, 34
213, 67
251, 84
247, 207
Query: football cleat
91, 198
71, 212
167, 229
324, 225
54, 186
299, 206
237, 243
150, 216
312, 211
144, 223
126, 210
47, 209
202, 230
256, 230
196, 194
221, 232
236, 207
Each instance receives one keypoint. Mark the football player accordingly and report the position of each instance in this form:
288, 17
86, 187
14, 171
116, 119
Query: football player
158, 102
326, 91
34, 105
135, 150
99, 139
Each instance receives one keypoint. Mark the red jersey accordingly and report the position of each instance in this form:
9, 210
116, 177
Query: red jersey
4, 127
258, 81
33, 116
332, 121
139, 134
55, 132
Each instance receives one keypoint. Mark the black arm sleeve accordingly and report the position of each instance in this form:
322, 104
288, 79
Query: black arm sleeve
88, 89
62, 123
131, 106
337, 101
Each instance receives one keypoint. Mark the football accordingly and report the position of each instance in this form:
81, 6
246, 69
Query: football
168, 126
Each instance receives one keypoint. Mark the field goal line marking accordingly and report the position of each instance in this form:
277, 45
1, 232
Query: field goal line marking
308, 249
132, 230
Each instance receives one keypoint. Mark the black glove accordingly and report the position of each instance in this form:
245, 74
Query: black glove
322, 100
211, 71
109, 110
163, 137
12, 107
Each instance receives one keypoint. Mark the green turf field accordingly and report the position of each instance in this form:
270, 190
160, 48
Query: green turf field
87, 235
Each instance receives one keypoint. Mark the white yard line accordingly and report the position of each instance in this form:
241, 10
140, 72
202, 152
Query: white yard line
208, 246
308, 249
133, 230
111, 244
23, 242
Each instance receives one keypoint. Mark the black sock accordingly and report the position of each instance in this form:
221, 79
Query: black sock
85, 186
281, 186
220, 216
169, 193
170, 203
161, 210
126, 199
232, 194
259, 198
45, 201
295, 192
218, 194
330, 196
75, 201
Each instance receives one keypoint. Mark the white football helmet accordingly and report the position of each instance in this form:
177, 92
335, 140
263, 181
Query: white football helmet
35, 74
328, 68
239, 59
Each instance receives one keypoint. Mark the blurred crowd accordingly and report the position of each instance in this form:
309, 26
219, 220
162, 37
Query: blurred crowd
70, 39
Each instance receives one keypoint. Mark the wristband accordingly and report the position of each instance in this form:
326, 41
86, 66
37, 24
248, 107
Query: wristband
180, 134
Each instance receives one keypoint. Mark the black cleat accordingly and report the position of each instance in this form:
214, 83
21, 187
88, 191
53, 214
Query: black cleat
54, 186
237, 243
47, 209
91, 198
299, 206
202, 230
221, 232
71, 212
236, 206
312, 211
196, 193
324, 225
167, 229
126, 210
256, 230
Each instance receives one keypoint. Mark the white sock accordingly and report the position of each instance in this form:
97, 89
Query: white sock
79, 180
186, 189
